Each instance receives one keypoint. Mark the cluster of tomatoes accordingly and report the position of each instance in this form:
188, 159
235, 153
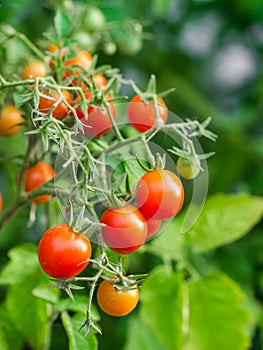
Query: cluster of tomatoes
159, 195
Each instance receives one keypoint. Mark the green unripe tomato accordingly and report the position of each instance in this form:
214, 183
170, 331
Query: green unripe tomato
94, 19
109, 48
186, 169
130, 44
86, 41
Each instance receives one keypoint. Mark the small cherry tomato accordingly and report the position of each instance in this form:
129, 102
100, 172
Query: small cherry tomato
63, 253
98, 122
1, 202
55, 50
10, 118
99, 81
186, 169
153, 226
34, 70
116, 302
82, 61
160, 194
94, 19
142, 116
125, 229
36, 176
45, 104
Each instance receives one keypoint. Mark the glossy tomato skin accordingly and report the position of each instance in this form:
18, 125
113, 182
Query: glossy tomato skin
63, 253
116, 302
160, 194
142, 115
125, 229
34, 70
9, 118
45, 104
153, 226
98, 122
36, 176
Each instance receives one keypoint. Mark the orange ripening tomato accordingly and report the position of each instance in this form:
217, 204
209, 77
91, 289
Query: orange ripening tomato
99, 80
142, 116
10, 117
34, 70
63, 253
36, 176
1, 202
116, 302
98, 122
82, 61
45, 104
54, 49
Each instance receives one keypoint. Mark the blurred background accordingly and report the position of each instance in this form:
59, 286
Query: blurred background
211, 51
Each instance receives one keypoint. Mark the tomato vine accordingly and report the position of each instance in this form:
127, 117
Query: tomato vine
71, 109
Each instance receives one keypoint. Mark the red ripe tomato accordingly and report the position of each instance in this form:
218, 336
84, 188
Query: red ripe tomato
153, 226
116, 302
34, 70
45, 104
125, 229
10, 117
63, 253
36, 176
1, 202
82, 61
98, 122
160, 194
142, 116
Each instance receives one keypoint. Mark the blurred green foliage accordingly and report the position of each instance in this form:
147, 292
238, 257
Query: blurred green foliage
211, 51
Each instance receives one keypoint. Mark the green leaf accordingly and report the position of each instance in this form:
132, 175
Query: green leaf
145, 338
79, 305
47, 293
170, 242
162, 305
7, 339
23, 263
28, 314
62, 24
224, 219
217, 318
77, 340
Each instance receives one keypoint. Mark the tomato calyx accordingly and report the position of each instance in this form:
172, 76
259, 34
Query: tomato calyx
65, 285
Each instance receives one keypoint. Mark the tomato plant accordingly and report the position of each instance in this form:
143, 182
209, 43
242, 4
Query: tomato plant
37, 175
160, 194
63, 253
125, 229
143, 115
114, 301
99, 186
10, 120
